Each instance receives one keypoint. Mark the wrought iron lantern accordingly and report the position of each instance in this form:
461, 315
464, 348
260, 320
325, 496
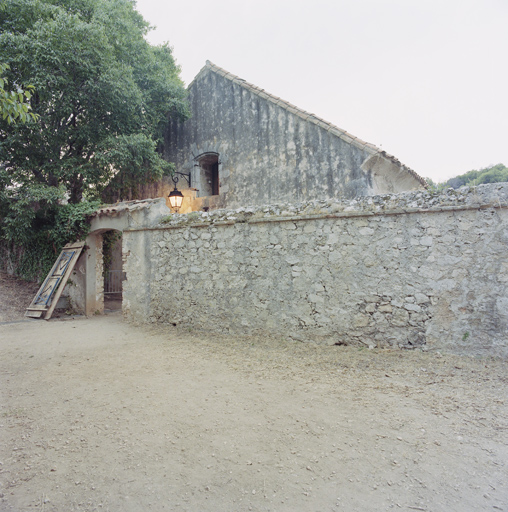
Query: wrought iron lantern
175, 196
175, 199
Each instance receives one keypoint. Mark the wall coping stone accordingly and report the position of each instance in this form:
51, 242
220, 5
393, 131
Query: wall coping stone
494, 195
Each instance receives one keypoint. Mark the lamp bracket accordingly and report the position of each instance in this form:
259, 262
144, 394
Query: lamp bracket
175, 177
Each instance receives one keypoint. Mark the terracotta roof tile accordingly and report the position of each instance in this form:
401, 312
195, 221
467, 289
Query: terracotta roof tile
124, 206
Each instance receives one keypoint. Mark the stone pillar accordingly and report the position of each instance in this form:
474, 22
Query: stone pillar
136, 252
94, 287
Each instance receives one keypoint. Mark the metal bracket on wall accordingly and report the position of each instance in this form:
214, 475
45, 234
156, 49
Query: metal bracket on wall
176, 178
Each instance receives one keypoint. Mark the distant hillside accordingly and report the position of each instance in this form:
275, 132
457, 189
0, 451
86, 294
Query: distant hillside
495, 174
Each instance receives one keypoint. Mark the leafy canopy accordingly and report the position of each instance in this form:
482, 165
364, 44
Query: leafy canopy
494, 174
102, 94
14, 105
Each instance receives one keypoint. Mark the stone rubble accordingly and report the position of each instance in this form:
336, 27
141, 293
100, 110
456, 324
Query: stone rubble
492, 194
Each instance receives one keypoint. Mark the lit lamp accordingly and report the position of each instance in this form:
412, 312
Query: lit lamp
175, 199
175, 196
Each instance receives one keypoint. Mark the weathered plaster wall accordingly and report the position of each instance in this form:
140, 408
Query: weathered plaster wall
139, 269
76, 286
88, 296
160, 189
404, 270
269, 153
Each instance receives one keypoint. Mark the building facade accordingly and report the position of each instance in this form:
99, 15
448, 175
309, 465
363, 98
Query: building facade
243, 146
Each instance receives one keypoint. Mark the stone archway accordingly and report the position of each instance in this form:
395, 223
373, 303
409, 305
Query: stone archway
112, 257
127, 215
94, 281
85, 288
104, 272
94, 274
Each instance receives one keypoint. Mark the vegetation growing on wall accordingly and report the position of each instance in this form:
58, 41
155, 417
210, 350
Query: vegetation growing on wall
101, 98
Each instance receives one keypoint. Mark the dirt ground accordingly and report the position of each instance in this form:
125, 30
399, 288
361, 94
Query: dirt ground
98, 415
15, 296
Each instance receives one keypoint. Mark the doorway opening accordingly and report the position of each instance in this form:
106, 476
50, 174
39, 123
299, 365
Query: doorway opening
209, 174
113, 273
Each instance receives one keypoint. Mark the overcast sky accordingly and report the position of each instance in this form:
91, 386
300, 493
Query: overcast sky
426, 80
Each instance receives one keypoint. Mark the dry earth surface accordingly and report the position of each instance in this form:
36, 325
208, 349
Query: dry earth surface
15, 296
98, 415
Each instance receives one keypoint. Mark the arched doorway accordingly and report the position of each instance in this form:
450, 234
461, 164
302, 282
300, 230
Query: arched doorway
104, 271
116, 219
104, 264
207, 179
112, 270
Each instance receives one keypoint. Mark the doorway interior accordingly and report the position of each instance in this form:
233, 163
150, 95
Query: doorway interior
113, 273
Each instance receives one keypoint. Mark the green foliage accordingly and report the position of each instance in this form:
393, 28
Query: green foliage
132, 160
14, 105
25, 210
36, 225
94, 115
496, 174
493, 174
102, 93
72, 221
432, 186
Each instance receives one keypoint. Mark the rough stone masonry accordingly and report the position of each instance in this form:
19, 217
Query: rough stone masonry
407, 270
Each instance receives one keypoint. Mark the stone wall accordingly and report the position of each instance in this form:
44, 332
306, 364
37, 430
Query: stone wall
408, 270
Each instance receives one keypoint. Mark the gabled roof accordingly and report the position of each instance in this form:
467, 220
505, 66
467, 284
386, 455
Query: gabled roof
307, 116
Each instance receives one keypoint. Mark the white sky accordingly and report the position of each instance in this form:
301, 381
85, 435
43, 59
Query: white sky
426, 80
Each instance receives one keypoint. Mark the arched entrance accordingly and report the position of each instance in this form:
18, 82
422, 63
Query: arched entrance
208, 176
104, 272
104, 265
112, 270
106, 228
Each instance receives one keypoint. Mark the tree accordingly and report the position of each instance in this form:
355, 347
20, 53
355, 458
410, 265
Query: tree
14, 105
102, 95
101, 98
493, 174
